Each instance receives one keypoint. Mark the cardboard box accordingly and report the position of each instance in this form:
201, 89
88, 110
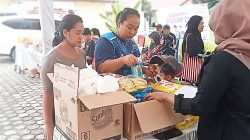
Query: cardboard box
142, 120
93, 117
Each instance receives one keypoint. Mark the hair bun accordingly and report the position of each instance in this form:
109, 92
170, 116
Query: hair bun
57, 35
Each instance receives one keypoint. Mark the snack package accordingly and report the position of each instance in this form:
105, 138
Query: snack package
132, 84
137, 69
189, 121
166, 86
139, 95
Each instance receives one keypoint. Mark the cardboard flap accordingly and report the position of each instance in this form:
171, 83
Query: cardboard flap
51, 77
153, 115
66, 79
107, 99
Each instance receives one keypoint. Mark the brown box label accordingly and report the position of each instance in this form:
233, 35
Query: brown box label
101, 117
85, 135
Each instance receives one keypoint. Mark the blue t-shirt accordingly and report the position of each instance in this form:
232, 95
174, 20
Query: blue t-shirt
110, 46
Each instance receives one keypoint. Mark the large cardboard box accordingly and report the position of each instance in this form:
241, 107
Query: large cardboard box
92, 117
142, 120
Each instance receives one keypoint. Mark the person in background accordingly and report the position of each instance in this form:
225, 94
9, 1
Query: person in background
155, 45
116, 51
192, 46
222, 99
67, 52
192, 41
169, 42
167, 72
182, 32
165, 68
159, 28
95, 34
177, 34
89, 45
70, 11
170, 69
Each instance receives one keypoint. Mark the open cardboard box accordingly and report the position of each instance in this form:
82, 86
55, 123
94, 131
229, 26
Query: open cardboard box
142, 120
90, 117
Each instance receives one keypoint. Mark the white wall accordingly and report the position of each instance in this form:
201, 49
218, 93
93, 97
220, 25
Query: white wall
89, 11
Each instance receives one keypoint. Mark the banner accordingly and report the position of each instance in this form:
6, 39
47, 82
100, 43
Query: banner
178, 16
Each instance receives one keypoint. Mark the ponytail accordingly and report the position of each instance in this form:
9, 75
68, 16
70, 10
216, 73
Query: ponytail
57, 39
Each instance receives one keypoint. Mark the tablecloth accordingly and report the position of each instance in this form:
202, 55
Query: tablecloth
27, 58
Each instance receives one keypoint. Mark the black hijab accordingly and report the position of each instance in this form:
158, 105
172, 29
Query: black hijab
192, 27
156, 37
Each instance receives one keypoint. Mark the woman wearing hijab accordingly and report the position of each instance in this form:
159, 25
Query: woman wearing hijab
193, 43
222, 99
155, 44
192, 46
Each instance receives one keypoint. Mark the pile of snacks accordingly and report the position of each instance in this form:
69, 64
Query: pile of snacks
166, 86
190, 120
132, 84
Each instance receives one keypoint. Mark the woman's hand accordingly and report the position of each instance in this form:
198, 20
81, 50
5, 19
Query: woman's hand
130, 60
161, 96
48, 131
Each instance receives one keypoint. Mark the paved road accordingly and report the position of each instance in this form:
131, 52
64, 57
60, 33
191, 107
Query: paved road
20, 104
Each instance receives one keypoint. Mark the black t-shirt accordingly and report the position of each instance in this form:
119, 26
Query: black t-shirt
174, 38
168, 45
89, 48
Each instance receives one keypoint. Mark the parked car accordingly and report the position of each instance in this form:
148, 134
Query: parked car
14, 30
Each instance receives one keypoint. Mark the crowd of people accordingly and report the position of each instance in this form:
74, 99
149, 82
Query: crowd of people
222, 97
164, 42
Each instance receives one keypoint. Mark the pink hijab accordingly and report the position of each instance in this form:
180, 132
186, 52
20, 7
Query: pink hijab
230, 22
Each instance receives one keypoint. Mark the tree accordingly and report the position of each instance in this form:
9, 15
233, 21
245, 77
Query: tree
116, 8
211, 3
146, 8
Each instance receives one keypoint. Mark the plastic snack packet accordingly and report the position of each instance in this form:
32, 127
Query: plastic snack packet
137, 69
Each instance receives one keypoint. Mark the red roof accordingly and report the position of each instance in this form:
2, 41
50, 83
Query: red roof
157, 4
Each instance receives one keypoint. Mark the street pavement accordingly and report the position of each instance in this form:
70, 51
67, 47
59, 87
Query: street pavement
21, 115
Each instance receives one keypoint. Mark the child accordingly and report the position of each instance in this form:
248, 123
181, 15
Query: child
155, 45
169, 67
167, 72
170, 72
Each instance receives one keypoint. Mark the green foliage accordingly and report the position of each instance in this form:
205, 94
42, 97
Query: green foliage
211, 3
136, 6
116, 8
180, 50
146, 6
209, 46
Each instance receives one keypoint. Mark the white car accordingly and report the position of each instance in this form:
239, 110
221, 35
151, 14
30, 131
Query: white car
14, 30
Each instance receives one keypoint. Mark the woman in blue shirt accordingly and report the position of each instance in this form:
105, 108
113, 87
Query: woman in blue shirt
117, 51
